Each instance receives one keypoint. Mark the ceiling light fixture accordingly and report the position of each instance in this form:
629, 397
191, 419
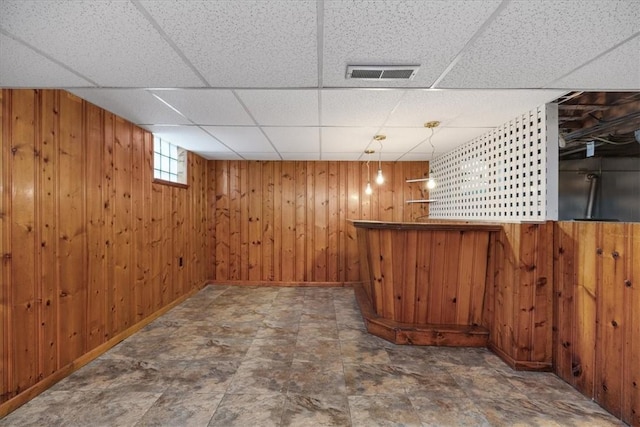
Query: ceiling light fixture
379, 176
431, 182
368, 190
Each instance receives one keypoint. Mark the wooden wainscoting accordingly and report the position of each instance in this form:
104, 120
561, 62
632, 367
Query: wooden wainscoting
597, 313
518, 307
287, 221
90, 246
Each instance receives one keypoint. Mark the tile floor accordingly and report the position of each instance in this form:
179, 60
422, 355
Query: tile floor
266, 356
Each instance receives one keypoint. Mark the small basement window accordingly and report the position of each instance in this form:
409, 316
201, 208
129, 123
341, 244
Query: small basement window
169, 161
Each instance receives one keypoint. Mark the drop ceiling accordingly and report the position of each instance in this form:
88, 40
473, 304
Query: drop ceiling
266, 80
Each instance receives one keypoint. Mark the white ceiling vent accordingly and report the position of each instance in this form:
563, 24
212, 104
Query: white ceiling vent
382, 72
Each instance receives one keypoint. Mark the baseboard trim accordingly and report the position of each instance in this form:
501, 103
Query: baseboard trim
418, 334
520, 365
282, 283
31, 392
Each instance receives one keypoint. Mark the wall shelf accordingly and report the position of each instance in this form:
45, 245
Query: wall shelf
421, 201
417, 180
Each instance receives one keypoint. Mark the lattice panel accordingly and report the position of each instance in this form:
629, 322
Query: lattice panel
507, 174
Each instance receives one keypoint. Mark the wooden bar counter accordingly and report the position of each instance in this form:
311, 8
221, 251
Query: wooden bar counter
424, 283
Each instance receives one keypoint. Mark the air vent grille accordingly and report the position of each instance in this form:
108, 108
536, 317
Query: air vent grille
384, 72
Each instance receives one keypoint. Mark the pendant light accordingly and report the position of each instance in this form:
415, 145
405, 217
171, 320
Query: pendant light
431, 181
368, 190
379, 176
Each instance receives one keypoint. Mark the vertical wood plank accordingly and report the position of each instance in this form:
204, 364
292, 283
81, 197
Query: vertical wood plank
449, 282
276, 220
301, 220
23, 335
48, 195
72, 230
5, 247
255, 221
245, 238
436, 275
138, 273
96, 313
353, 212
610, 331
584, 353
321, 221
222, 223
288, 212
266, 263
122, 253
631, 369
334, 223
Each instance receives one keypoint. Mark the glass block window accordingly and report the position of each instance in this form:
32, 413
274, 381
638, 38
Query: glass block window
169, 161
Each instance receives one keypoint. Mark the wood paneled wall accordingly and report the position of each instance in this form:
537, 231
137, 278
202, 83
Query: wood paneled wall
518, 307
90, 246
597, 313
287, 221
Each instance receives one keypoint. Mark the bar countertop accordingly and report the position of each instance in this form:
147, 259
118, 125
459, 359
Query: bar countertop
427, 226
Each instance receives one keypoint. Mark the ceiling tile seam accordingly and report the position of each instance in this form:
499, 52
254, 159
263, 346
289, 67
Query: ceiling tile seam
159, 98
320, 40
471, 42
246, 109
168, 40
45, 55
595, 58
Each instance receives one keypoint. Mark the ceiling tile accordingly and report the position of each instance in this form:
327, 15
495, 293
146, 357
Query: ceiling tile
401, 139
350, 140
247, 43
341, 156
191, 138
415, 157
620, 66
294, 139
282, 107
300, 156
445, 139
136, 105
22, 67
365, 107
241, 139
220, 156
207, 106
532, 43
108, 42
467, 108
429, 33
261, 156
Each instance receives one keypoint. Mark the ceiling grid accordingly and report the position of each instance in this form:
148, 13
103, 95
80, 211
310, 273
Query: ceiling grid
270, 75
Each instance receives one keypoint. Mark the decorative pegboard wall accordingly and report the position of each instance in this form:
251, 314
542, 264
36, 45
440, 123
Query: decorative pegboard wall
508, 174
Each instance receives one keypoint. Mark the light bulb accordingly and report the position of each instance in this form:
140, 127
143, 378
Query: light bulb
431, 184
368, 190
379, 177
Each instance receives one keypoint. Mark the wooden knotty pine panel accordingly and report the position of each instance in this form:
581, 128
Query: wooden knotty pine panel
597, 313
519, 304
89, 245
287, 221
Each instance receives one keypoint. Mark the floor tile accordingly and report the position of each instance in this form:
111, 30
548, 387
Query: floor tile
179, 409
382, 410
248, 410
260, 356
316, 410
